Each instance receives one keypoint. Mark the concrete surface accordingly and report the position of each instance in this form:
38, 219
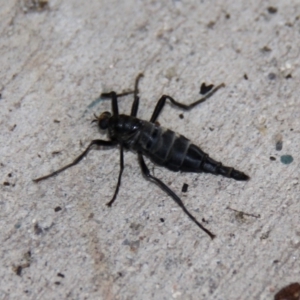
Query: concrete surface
58, 239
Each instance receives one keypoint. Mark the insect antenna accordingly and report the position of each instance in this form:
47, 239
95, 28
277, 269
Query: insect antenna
95, 120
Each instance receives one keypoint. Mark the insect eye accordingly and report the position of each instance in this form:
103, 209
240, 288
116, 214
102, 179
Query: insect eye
103, 120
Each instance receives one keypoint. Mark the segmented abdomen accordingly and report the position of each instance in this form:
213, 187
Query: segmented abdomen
168, 149
175, 152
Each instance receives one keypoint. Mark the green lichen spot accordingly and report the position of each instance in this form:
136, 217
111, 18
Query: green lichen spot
286, 159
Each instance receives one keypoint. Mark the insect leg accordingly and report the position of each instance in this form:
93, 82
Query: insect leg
161, 102
119, 179
114, 96
135, 104
78, 159
166, 189
114, 99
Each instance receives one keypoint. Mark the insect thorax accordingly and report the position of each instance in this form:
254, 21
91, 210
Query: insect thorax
124, 129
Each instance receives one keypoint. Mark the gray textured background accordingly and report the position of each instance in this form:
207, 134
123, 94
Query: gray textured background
56, 60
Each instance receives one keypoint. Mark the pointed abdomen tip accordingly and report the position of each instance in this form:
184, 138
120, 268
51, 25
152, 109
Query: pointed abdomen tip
237, 175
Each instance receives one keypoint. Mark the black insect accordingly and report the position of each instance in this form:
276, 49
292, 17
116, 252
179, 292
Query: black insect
163, 146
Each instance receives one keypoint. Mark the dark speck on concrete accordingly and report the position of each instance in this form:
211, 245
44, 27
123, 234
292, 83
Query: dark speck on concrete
37, 229
278, 145
19, 270
272, 10
266, 49
57, 208
204, 89
272, 76
184, 187
18, 225
278, 141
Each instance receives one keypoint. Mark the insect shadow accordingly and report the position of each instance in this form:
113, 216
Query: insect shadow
162, 146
